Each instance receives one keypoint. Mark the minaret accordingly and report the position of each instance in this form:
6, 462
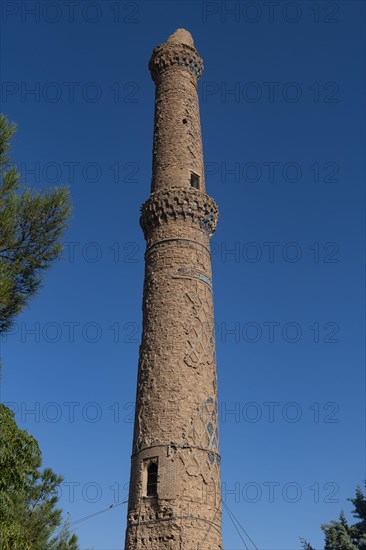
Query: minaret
174, 499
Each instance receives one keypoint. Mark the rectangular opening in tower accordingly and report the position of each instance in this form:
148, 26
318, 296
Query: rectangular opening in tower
195, 180
152, 480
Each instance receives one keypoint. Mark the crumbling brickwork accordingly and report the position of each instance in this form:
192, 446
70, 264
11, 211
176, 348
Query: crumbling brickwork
174, 499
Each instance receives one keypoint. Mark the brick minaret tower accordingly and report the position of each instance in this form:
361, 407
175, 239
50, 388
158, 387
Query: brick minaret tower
174, 500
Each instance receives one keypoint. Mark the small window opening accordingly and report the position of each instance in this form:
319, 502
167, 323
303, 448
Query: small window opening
195, 180
152, 480
185, 121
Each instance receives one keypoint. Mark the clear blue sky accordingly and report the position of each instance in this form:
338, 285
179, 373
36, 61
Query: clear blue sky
282, 105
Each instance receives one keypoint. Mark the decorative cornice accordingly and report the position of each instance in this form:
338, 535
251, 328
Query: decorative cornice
179, 203
166, 55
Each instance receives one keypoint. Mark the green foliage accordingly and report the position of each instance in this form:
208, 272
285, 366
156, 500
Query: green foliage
28, 496
341, 536
31, 225
65, 540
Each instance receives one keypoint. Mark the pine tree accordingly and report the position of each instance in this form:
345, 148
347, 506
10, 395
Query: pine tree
65, 540
31, 225
28, 496
341, 536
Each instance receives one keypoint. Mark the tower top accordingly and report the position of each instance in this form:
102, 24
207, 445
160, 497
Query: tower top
181, 36
178, 50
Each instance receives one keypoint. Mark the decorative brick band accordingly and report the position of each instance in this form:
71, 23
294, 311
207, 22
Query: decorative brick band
174, 518
179, 202
189, 242
166, 55
179, 446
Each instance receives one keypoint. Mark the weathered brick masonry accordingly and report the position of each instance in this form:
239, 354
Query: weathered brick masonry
174, 500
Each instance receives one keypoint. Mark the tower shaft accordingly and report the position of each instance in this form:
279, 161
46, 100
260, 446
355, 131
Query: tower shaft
174, 498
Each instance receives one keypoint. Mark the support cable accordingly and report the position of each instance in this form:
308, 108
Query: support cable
237, 530
80, 520
235, 521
